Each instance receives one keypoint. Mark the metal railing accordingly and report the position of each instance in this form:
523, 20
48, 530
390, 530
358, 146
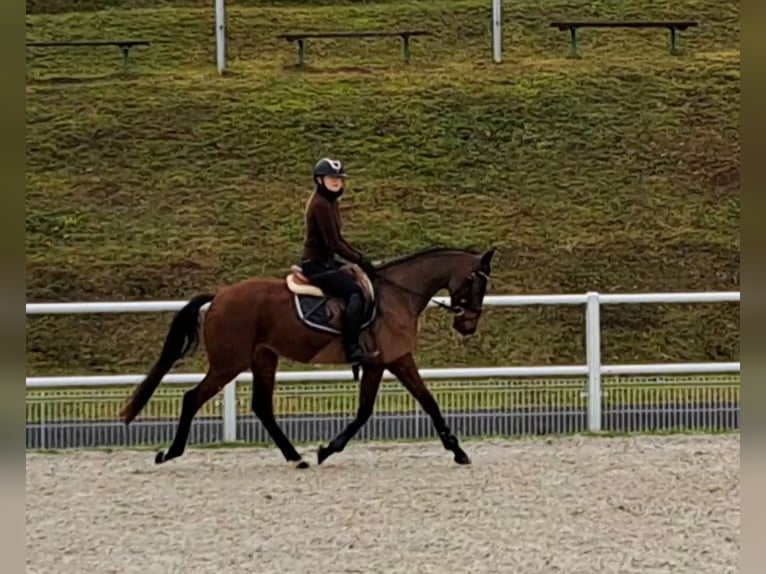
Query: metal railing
593, 368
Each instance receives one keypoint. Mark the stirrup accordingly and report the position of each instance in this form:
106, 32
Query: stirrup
364, 358
355, 365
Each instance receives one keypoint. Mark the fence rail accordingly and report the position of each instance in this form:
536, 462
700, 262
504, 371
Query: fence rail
490, 301
447, 373
593, 369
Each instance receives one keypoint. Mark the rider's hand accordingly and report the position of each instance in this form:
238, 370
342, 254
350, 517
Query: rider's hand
368, 267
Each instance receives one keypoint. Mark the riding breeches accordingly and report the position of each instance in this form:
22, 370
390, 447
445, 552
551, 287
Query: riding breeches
331, 279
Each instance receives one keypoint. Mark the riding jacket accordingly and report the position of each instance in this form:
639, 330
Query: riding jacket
323, 230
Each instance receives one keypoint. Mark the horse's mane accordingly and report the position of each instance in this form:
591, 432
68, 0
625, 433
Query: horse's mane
436, 250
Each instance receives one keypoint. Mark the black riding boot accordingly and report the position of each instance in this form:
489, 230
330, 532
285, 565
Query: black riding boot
352, 322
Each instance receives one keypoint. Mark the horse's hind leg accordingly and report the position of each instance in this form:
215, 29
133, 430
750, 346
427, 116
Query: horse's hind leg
193, 400
264, 369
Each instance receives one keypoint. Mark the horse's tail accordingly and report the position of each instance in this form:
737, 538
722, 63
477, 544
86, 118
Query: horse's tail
181, 340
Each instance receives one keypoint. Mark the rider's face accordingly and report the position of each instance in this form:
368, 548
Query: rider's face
332, 183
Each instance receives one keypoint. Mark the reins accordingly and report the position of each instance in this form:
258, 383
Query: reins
454, 309
449, 308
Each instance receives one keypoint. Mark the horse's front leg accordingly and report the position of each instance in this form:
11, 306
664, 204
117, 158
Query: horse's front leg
406, 371
368, 391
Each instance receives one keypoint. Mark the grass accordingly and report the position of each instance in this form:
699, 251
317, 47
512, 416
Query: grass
618, 172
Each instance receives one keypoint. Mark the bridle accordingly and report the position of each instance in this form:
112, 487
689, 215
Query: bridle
457, 310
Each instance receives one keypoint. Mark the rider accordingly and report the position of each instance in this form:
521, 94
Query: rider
323, 241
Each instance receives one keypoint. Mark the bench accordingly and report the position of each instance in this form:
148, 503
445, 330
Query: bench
301, 39
670, 25
124, 45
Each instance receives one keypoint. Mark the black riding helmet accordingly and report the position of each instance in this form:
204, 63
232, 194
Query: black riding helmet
327, 166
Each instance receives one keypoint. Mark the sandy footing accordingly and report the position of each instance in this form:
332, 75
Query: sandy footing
572, 505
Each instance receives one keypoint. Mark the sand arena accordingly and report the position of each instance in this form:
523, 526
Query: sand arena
574, 505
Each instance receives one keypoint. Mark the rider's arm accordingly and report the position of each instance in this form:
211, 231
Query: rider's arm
333, 237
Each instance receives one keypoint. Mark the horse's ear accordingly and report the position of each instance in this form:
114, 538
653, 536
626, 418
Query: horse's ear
486, 259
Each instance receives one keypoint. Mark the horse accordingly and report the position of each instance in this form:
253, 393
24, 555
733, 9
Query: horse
250, 324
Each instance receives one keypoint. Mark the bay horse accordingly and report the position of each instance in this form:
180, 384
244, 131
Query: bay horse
252, 323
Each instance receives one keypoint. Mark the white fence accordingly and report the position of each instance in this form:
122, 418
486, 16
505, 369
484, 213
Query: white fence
592, 368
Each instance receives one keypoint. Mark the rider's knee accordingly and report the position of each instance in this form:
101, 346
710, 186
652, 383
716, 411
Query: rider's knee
355, 292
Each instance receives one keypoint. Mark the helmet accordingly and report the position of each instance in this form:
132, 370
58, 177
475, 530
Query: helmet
327, 166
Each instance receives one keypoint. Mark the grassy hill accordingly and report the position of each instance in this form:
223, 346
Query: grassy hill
617, 172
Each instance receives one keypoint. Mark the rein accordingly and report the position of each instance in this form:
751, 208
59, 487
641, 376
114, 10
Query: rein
450, 308
454, 309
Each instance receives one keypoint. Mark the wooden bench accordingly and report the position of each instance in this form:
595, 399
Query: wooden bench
124, 45
670, 25
301, 39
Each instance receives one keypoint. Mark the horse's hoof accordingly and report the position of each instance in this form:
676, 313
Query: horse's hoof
159, 458
323, 453
302, 464
462, 458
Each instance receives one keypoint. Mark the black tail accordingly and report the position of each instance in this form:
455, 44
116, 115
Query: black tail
181, 340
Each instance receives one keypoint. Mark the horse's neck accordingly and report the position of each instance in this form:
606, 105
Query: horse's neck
424, 277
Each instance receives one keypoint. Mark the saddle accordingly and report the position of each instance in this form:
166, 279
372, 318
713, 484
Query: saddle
323, 312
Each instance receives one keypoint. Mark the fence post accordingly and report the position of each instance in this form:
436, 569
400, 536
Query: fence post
593, 352
230, 412
220, 35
